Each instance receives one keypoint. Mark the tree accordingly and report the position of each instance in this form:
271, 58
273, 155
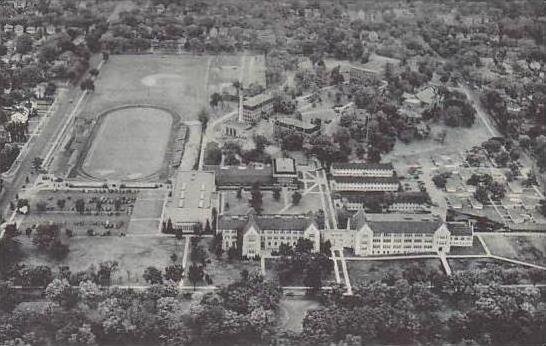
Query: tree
215, 98
239, 193
203, 117
174, 272
199, 255
94, 72
207, 229
256, 200
153, 276
296, 198
61, 292
195, 274
80, 206
87, 84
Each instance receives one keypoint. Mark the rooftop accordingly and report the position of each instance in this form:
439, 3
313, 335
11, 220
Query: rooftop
296, 123
297, 222
397, 223
257, 100
285, 165
364, 180
242, 175
459, 228
192, 198
362, 165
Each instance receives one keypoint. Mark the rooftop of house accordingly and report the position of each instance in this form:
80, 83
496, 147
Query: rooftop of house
292, 222
362, 165
285, 165
427, 95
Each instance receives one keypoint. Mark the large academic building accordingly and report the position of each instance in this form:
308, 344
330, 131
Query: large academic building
262, 234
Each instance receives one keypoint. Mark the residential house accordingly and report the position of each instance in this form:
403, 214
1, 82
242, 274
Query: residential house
260, 235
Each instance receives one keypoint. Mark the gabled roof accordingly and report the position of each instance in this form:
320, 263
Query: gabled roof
396, 223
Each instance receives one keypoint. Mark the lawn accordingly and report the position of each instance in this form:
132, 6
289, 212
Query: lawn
297, 280
365, 271
241, 206
130, 143
175, 82
481, 263
223, 271
528, 249
134, 255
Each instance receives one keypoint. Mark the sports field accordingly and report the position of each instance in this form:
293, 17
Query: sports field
130, 144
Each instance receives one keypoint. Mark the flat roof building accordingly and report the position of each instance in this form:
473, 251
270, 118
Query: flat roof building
193, 197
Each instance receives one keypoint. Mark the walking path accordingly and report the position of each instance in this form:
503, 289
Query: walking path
346, 274
445, 263
336, 268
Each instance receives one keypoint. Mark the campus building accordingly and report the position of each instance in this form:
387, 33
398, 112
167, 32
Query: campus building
284, 171
285, 125
393, 202
361, 75
360, 183
262, 234
256, 107
392, 234
359, 169
193, 197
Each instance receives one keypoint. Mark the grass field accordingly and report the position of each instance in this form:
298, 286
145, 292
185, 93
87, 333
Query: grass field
134, 254
175, 82
120, 151
365, 271
292, 311
527, 249
481, 263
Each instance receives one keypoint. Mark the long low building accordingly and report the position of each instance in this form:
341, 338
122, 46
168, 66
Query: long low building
359, 183
392, 234
361, 169
285, 125
263, 234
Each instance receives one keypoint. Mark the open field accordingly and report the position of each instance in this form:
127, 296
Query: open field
134, 254
365, 271
478, 263
241, 206
175, 82
120, 152
527, 249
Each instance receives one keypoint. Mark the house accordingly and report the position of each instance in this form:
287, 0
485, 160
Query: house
358, 169
50, 29
262, 234
284, 171
193, 197
360, 183
19, 30
256, 108
285, 125
8, 28
391, 234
